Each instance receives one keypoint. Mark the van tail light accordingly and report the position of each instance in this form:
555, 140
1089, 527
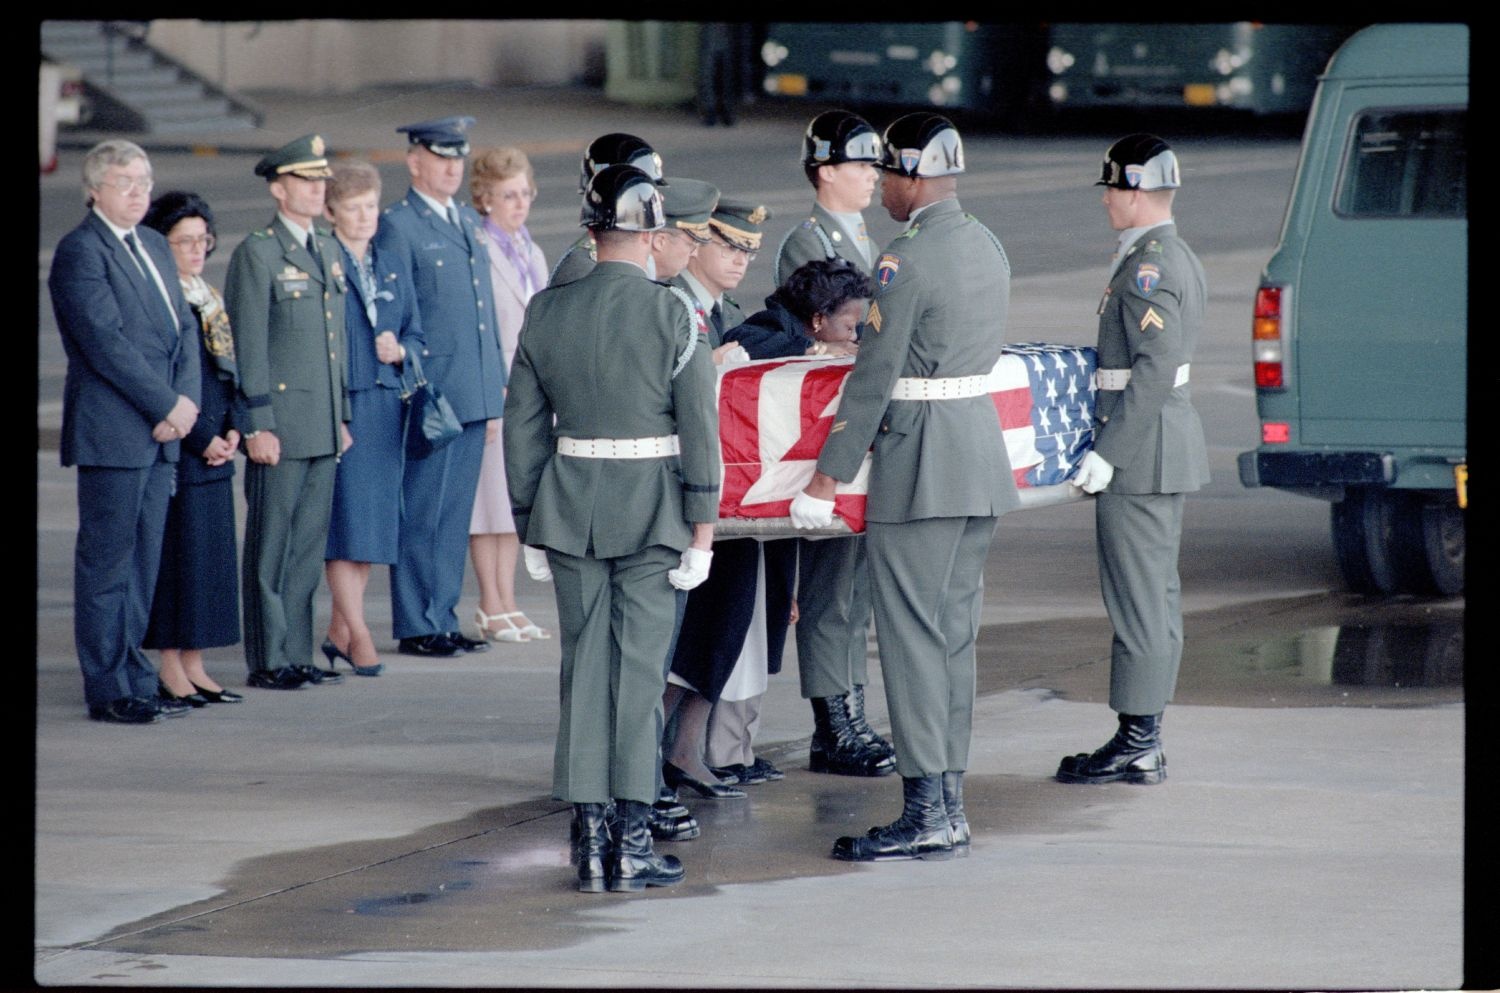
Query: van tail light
1267, 343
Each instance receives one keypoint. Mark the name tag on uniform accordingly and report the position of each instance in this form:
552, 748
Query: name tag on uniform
293, 279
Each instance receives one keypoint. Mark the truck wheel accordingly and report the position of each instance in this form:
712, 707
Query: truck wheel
1364, 539
1432, 536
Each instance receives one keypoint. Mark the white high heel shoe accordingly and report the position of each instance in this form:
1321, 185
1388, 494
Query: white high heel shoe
530, 630
510, 632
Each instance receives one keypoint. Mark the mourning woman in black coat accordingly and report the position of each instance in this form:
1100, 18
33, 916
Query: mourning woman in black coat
196, 605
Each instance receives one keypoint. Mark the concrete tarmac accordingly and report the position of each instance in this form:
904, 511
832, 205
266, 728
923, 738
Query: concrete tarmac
398, 831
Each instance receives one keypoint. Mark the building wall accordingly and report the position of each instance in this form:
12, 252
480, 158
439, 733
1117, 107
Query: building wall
330, 56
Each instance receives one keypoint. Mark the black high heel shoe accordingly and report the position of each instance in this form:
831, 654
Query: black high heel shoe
195, 700
332, 652
217, 696
676, 778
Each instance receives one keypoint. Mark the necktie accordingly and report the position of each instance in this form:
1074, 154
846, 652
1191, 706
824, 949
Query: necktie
140, 260
312, 249
716, 317
453, 217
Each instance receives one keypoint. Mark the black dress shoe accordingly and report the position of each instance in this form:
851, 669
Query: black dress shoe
193, 700
676, 779
466, 644
317, 676
739, 773
126, 710
768, 772
428, 646
666, 826
285, 678
218, 696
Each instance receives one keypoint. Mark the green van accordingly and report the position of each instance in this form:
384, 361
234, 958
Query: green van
1360, 328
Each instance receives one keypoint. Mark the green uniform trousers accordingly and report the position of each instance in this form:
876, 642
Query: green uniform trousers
1138, 536
833, 607
288, 506
927, 583
616, 617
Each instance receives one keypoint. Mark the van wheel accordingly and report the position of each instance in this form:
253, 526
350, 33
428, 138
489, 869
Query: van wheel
1432, 539
1364, 539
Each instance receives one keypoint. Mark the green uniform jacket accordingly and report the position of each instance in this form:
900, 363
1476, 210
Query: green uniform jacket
821, 236
576, 262
288, 318
729, 311
613, 355
939, 312
1149, 322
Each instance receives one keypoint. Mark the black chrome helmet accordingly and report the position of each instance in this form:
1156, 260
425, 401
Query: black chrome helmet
618, 148
1140, 162
622, 198
922, 145
837, 136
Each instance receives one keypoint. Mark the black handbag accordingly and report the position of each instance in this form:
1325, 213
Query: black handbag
428, 421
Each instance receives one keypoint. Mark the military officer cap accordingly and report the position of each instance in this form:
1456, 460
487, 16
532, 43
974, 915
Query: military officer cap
618, 148
836, 136
304, 158
922, 145
738, 223
445, 136
622, 198
1140, 162
689, 203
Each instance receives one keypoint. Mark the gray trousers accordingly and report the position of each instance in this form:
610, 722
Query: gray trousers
927, 582
833, 606
616, 617
731, 732
286, 530
1138, 536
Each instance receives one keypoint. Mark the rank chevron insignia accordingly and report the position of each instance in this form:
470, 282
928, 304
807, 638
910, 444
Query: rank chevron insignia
1152, 319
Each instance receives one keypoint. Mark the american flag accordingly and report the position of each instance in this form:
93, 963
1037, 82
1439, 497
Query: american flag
774, 416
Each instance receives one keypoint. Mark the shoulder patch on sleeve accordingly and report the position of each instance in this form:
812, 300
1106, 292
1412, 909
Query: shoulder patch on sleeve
886, 268
1147, 276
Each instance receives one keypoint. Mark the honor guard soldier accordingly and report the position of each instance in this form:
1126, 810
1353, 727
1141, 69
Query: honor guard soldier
612, 460
437, 239
285, 296
616, 148
1148, 452
839, 154
130, 397
939, 475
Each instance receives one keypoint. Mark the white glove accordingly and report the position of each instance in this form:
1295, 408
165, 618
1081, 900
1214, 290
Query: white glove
693, 569
536, 564
1094, 473
810, 512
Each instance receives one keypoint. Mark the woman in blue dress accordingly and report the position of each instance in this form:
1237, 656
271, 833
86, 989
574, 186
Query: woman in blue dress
380, 325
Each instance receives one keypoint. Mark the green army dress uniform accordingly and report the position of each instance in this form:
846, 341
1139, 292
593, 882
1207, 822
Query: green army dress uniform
940, 475
820, 236
287, 310
1149, 323
611, 356
579, 259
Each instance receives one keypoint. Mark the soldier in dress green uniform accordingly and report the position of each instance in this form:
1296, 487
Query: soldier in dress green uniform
616, 148
1148, 452
839, 152
939, 477
612, 461
285, 297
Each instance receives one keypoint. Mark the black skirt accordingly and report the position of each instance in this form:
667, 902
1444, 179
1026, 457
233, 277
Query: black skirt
197, 600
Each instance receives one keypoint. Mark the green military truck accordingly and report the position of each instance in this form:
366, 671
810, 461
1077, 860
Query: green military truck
1360, 326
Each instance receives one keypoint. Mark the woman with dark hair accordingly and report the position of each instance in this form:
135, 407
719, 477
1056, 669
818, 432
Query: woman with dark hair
722, 660
380, 323
196, 604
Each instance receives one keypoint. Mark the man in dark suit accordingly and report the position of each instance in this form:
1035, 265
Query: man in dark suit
131, 394
436, 238
285, 296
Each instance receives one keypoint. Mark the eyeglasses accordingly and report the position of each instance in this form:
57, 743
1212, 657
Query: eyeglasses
521, 196
124, 185
729, 251
203, 241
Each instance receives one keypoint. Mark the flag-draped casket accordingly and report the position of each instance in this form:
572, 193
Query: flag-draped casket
774, 416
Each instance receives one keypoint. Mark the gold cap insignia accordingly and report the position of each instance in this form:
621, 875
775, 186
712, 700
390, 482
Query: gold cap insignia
317, 144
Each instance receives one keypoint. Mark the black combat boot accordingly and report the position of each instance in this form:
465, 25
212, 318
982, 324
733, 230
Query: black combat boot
862, 730
632, 864
921, 832
591, 845
667, 825
835, 747
1133, 755
953, 802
